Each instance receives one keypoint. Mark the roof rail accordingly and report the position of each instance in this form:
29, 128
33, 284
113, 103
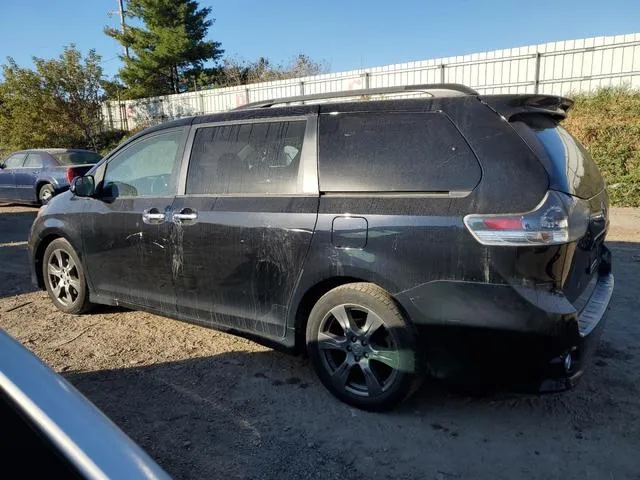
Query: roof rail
428, 88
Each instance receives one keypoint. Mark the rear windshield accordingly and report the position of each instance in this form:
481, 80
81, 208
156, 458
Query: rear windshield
394, 152
76, 158
570, 167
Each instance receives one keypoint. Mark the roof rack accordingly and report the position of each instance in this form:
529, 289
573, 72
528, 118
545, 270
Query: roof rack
433, 88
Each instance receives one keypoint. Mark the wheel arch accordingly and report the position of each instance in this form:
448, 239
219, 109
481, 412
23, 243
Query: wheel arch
41, 247
313, 293
309, 299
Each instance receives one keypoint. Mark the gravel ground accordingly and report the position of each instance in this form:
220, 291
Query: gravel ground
206, 405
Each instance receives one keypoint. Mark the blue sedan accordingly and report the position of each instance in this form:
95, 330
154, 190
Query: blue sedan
35, 176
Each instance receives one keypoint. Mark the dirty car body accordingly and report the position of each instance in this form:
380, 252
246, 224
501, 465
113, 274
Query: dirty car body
478, 217
34, 176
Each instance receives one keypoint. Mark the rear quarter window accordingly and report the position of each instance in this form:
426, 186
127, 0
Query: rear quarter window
394, 152
569, 166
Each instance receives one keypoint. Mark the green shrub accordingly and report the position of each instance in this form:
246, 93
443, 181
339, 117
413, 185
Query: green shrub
607, 122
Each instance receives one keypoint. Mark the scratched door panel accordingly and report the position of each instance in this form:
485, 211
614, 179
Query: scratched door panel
129, 260
242, 258
128, 236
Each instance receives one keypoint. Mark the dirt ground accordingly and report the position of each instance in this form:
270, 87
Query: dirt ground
209, 405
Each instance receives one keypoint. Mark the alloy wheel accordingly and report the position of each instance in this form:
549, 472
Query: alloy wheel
358, 351
63, 277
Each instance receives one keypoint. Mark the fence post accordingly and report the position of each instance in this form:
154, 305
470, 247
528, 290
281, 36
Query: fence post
536, 84
120, 111
301, 88
365, 80
162, 114
201, 97
442, 68
110, 115
246, 93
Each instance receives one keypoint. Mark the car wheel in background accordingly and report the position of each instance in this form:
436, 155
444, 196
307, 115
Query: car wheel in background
45, 193
64, 277
362, 348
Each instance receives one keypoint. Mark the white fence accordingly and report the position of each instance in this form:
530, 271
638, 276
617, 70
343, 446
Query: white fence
555, 68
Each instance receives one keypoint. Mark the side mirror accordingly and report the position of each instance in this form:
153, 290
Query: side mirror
83, 186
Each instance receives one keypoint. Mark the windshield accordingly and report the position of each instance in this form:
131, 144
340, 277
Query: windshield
76, 158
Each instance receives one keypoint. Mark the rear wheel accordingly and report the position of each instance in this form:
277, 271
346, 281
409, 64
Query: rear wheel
64, 277
45, 193
362, 348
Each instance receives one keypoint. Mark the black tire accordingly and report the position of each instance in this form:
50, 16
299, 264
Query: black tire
64, 278
45, 193
379, 329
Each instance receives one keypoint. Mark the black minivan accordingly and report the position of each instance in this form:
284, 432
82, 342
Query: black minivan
386, 237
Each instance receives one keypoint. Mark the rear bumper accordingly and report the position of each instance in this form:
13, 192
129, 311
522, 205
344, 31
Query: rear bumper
509, 334
591, 322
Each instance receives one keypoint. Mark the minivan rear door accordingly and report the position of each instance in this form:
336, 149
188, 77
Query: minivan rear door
244, 221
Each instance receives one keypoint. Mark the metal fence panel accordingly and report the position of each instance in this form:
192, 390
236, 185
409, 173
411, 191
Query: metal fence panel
558, 68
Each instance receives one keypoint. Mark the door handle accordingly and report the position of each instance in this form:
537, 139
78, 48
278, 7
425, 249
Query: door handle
185, 215
153, 216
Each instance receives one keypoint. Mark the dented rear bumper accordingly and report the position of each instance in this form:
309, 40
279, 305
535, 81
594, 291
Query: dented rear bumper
510, 333
591, 322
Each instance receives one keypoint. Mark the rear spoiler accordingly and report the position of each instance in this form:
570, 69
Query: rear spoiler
511, 105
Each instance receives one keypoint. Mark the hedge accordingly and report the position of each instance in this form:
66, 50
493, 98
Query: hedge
607, 122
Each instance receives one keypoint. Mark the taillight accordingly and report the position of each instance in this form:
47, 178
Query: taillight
559, 218
71, 174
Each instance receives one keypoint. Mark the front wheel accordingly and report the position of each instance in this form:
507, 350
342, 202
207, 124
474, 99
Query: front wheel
362, 348
64, 277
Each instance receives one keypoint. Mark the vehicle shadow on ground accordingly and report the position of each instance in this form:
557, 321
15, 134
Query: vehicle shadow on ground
15, 277
231, 414
15, 226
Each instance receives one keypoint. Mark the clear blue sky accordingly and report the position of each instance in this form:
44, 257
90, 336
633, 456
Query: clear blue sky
347, 33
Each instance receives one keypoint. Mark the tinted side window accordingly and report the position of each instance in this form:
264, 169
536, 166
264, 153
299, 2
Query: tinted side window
34, 160
244, 159
145, 169
400, 152
15, 161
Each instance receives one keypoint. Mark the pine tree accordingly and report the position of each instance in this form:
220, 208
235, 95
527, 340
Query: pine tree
169, 51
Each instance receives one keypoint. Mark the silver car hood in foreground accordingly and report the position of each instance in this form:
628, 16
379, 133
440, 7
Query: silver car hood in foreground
78, 430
